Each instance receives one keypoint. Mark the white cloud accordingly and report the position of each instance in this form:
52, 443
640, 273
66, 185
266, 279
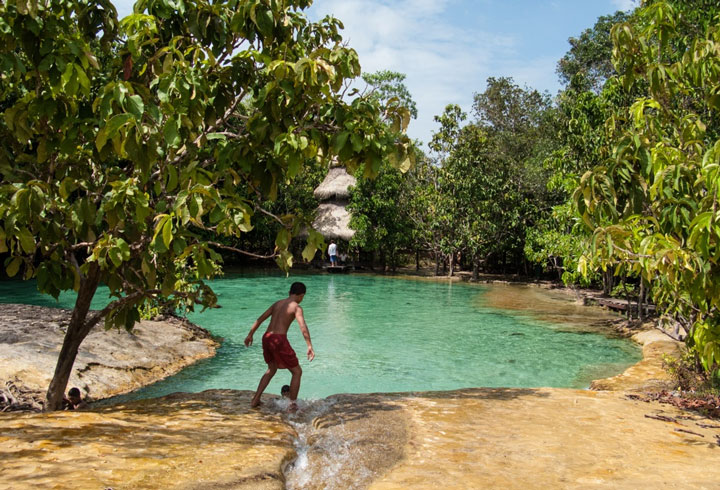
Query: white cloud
625, 4
444, 64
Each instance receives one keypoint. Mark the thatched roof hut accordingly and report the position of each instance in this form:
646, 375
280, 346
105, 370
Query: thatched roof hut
333, 221
336, 185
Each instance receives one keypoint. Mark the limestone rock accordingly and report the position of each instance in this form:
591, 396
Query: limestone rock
182, 441
648, 374
109, 362
551, 438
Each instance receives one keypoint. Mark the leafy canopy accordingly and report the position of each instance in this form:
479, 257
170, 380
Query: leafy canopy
126, 146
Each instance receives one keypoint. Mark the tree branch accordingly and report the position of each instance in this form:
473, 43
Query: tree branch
243, 252
99, 315
268, 213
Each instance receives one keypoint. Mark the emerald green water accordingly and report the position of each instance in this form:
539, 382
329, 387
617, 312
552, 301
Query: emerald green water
378, 334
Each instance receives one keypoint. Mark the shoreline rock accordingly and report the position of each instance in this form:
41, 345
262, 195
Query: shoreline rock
472, 438
109, 362
649, 374
184, 441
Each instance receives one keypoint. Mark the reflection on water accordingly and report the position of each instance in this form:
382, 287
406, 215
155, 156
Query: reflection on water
560, 308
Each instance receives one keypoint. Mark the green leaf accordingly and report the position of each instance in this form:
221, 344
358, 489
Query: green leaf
167, 233
27, 240
115, 256
172, 181
171, 131
340, 140
14, 267
101, 138
284, 260
135, 106
265, 22
115, 123
216, 136
283, 239
124, 248
357, 142
309, 252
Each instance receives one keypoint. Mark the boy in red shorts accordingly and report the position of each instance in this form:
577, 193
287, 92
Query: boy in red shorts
277, 351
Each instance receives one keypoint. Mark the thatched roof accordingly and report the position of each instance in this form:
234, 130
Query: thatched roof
333, 221
336, 185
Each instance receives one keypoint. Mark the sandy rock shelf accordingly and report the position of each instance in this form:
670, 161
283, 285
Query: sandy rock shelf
474, 438
184, 441
109, 362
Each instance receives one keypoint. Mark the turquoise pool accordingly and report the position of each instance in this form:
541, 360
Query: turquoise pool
380, 334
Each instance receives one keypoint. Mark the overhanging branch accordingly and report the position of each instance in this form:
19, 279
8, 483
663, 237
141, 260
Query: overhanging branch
243, 252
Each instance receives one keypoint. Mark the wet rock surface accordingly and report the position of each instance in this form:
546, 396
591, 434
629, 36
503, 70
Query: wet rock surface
649, 374
474, 438
210, 440
109, 362
347, 441
552, 438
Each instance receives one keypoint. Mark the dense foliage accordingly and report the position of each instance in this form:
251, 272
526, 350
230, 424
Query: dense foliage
653, 204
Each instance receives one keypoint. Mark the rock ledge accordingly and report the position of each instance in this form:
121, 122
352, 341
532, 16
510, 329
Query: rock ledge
109, 363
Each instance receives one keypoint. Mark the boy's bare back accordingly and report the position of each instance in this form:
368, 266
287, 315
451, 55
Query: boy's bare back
282, 313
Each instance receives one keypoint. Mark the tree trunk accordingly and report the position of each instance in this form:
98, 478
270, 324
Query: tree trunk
641, 301
557, 268
627, 296
476, 270
417, 259
608, 282
76, 333
451, 260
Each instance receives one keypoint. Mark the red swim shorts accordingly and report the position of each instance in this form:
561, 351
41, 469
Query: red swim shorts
277, 350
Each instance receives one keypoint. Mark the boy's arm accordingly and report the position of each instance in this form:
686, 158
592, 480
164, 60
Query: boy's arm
306, 333
258, 322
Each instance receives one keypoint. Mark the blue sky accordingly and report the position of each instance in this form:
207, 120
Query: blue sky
448, 48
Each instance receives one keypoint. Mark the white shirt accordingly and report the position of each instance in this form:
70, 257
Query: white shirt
332, 249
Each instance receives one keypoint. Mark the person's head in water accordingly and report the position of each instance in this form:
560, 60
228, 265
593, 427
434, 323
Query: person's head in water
285, 391
74, 396
297, 289
74, 400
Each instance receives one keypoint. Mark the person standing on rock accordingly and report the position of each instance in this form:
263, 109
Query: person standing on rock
332, 252
277, 352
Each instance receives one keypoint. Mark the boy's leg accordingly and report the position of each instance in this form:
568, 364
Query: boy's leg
264, 381
295, 382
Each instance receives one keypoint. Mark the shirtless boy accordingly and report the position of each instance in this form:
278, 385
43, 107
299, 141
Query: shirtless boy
277, 351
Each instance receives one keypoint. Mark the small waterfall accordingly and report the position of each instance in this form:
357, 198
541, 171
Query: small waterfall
327, 454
